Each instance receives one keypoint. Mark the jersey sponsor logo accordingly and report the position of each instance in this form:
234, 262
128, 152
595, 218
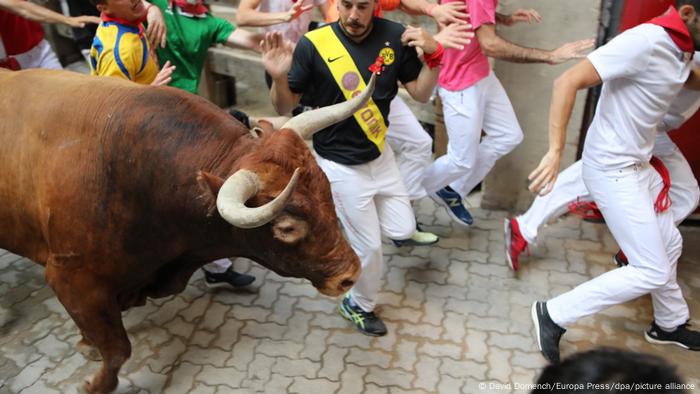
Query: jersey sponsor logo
331, 60
388, 55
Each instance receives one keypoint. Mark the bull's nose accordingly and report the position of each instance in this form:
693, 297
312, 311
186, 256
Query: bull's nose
346, 284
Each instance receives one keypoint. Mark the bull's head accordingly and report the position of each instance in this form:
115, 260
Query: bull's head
298, 215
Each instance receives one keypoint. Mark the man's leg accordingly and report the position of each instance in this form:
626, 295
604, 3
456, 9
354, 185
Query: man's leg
503, 134
354, 189
626, 198
522, 230
407, 137
220, 273
463, 111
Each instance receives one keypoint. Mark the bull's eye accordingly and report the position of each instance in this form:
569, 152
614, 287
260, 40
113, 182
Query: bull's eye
347, 283
288, 229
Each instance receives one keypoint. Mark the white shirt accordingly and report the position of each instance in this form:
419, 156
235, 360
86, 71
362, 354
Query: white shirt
642, 72
291, 30
682, 108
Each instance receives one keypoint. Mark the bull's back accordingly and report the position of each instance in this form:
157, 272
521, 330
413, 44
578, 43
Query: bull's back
47, 143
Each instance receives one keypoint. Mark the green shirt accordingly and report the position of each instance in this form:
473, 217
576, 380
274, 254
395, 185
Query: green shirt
189, 38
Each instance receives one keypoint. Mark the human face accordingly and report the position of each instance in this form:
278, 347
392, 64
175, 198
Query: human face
356, 17
692, 21
128, 10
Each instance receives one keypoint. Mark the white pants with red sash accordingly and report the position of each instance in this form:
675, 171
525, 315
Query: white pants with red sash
569, 188
651, 242
370, 200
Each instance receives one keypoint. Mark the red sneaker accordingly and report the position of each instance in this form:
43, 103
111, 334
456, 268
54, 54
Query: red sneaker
515, 244
620, 259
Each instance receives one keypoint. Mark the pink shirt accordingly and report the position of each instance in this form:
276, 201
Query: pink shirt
462, 69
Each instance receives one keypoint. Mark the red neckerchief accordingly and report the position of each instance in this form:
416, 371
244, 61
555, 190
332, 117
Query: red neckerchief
138, 24
675, 27
198, 9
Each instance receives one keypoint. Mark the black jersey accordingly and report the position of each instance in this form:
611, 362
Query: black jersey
345, 142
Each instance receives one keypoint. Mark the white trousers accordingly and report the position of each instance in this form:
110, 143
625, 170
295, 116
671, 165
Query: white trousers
483, 105
569, 187
651, 242
41, 56
370, 200
408, 138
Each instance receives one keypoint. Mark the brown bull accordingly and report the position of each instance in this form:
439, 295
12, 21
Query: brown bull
122, 191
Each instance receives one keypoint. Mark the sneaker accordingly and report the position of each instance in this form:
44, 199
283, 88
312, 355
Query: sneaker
227, 278
515, 244
366, 322
451, 200
419, 238
620, 259
682, 336
548, 333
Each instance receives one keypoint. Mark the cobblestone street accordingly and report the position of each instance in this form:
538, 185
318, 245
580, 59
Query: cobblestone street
459, 321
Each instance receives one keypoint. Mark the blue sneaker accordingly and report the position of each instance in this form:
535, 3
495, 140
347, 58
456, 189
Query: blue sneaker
451, 200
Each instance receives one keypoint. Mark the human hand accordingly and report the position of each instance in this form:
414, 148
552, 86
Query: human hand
276, 54
419, 38
297, 9
455, 35
81, 21
449, 13
157, 32
543, 177
164, 75
522, 15
571, 50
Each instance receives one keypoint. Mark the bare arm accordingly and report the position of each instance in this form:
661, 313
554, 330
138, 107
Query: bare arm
453, 12
38, 13
277, 59
248, 14
581, 76
422, 87
693, 81
244, 39
495, 46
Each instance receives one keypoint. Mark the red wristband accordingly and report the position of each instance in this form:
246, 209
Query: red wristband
434, 59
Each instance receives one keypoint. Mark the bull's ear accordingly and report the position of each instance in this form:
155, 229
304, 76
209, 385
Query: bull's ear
209, 184
289, 229
266, 126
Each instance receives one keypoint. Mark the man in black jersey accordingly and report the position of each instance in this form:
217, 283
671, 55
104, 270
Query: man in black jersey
329, 65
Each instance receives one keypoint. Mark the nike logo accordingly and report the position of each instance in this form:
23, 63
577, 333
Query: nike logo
333, 59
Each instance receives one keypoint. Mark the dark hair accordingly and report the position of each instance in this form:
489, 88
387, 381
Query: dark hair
611, 371
96, 2
694, 3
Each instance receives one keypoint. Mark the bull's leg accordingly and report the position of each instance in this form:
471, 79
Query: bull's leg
88, 349
96, 312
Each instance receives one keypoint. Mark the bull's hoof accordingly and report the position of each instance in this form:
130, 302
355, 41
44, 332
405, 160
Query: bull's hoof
89, 352
99, 386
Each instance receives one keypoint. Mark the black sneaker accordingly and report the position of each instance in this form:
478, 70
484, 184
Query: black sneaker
547, 332
682, 336
227, 278
366, 322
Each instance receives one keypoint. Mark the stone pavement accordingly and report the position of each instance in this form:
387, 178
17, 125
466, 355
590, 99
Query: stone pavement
459, 321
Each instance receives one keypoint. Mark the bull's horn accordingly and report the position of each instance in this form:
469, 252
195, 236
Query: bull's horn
243, 185
307, 123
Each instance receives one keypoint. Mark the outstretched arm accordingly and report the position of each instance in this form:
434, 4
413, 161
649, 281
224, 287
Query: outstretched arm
422, 87
520, 15
248, 14
495, 46
38, 13
453, 12
244, 39
581, 76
